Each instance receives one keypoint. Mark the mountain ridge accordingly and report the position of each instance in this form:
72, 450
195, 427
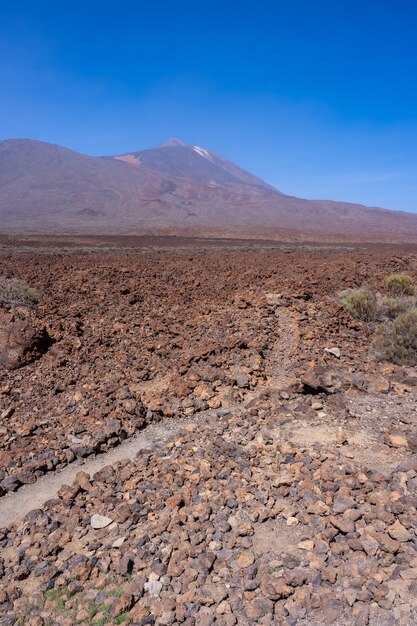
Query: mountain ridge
173, 189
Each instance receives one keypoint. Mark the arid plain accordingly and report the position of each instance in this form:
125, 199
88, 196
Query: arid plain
276, 476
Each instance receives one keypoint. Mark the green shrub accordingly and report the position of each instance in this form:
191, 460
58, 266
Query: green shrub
361, 303
396, 341
14, 293
399, 284
390, 308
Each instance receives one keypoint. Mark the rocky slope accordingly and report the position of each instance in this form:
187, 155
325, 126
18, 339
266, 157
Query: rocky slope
175, 189
287, 498
140, 337
242, 519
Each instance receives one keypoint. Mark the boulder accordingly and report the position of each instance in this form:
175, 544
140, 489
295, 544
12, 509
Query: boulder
21, 340
325, 379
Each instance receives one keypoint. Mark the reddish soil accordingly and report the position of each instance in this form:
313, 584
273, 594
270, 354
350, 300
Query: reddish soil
233, 334
139, 337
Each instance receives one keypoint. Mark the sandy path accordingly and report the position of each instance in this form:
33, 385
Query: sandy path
283, 357
15, 506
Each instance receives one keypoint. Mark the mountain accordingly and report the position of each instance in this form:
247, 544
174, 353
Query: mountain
175, 158
174, 189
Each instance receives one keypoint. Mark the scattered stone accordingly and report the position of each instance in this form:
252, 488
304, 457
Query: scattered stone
153, 587
369, 544
317, 405
334, 351
117, 543
343, 503
7, 413
245, 560
398, 532
100, 521
396, 440
274, 299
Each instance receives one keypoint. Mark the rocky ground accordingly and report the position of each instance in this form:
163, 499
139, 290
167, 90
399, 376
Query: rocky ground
290, 495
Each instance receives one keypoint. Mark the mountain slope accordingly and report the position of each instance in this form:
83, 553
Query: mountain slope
174, 158
173, 189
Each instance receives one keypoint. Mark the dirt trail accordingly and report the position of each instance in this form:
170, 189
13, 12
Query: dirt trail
283, 356
16, 505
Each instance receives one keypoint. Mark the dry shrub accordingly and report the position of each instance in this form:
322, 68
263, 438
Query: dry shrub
396, 337
361, 303
14, 293
399, 284
396, 341
390, 308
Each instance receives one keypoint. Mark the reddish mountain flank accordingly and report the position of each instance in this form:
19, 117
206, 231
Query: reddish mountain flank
175, 189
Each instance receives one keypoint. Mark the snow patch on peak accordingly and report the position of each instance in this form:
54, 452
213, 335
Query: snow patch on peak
128, 158
204, 153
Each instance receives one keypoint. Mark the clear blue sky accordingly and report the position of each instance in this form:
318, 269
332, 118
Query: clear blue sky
318, 98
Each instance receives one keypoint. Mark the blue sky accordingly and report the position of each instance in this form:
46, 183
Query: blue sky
318, 98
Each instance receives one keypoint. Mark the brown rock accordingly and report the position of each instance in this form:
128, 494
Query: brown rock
325, 379
246, 559
369, 544
396, 439
345, 526
121, 513
398, 532
21, 341
124, 604
275, 588
343, 503
258, 608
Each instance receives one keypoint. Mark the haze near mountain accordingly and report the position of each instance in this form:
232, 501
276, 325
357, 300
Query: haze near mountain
174, 189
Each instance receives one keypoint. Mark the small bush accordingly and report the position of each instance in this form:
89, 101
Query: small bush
390, 308
399, 284
14, 293
396, 341
361, 303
